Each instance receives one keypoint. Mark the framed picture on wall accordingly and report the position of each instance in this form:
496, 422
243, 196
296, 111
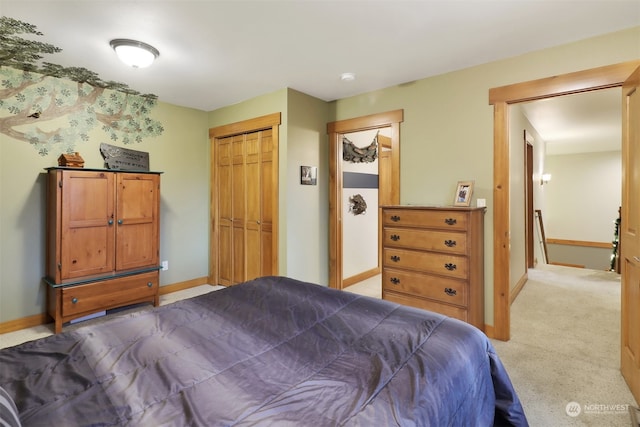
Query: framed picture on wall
308, 175
463, 193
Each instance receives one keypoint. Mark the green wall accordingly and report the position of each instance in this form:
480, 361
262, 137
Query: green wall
447, 133
446, 136
303, 210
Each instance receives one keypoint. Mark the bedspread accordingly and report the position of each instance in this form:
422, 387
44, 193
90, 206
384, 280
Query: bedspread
272, 352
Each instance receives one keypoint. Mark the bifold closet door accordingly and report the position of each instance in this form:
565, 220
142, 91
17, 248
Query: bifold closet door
244, 185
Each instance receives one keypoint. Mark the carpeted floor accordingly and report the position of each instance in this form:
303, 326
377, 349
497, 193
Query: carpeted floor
565, 349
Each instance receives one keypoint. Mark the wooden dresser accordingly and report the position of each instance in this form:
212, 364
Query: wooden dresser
102, 241
433, 258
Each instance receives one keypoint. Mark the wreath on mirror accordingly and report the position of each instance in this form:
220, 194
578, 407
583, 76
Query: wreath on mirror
353, 154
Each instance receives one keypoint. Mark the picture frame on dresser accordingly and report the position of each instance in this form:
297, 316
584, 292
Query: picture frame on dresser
464, 191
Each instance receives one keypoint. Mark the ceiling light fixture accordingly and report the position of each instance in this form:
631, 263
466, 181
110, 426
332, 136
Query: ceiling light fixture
347, 77
134, 53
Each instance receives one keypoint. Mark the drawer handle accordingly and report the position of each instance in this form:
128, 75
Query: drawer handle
395, 237
74, 300
450, 291
450, 243
150, 284
395, 218
395, 258
395, 280
449, 266
450, 221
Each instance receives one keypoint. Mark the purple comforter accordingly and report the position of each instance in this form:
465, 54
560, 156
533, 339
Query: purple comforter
270, 352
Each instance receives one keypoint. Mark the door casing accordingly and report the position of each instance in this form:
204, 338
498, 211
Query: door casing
391, 119
605, 77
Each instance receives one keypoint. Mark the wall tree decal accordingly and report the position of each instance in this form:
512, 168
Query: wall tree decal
53, 107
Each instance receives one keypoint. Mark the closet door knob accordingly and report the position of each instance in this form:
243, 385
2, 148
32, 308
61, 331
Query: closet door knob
120, 222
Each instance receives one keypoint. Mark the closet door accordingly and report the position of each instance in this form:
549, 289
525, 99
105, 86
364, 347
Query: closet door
244, 200
245, 221
238, 209
259, 161
267, 167
225, 211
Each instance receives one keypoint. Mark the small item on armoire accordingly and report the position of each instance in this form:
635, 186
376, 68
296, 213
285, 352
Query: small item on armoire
71, 160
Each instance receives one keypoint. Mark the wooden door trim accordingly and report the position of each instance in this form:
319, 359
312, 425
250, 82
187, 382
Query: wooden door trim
581, 81
390, 119
269, 121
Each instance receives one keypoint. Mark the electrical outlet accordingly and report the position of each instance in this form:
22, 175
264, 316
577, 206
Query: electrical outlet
165, 265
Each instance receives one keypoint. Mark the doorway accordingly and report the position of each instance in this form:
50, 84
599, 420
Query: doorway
581, 81
390, 176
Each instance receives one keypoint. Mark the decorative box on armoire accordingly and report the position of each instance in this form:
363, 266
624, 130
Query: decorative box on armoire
433, 258
102, 241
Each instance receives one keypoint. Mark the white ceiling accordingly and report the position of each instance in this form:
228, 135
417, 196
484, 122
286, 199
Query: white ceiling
581, 123
216, 53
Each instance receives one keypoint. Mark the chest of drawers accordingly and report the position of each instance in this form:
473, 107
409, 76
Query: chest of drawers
433, 258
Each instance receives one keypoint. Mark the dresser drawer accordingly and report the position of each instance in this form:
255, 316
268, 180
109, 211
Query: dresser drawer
443, 289
106, 294
430, 240
426, 304
445, 219
426, 262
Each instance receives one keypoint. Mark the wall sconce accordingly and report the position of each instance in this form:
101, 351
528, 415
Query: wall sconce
134, 53
546, 177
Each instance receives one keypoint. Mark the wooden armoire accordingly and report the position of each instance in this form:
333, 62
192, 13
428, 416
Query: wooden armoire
102, 241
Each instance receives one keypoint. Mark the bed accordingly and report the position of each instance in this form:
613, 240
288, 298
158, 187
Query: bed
269, 352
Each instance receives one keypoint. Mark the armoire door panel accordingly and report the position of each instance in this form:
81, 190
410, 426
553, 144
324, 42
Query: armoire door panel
136, 220
87, 252
87, 237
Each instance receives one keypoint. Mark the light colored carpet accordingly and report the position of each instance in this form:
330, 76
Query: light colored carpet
29, 334
565, 347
